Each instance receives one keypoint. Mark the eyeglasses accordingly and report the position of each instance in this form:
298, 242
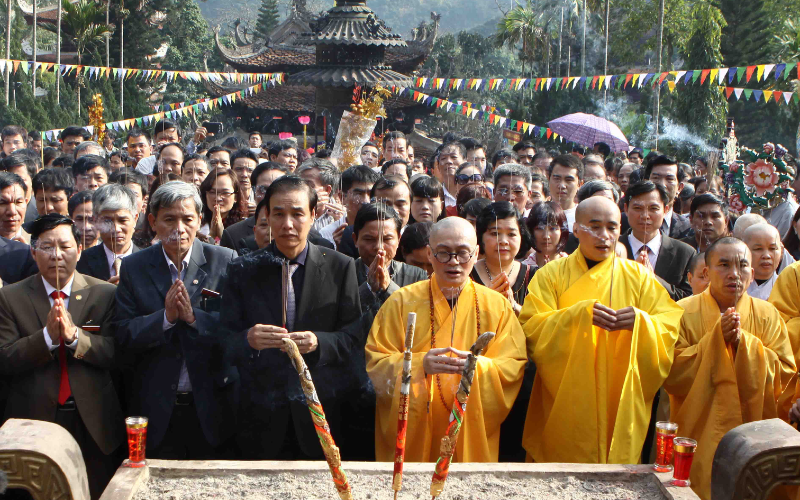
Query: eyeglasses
515, 192
462, 256
466, 179
224, 195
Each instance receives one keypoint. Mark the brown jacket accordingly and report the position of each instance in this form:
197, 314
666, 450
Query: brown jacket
33, 370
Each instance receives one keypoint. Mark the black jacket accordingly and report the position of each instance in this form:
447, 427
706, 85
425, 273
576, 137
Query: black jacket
272, 401
93, 262
672, 265
153, 357
16, 261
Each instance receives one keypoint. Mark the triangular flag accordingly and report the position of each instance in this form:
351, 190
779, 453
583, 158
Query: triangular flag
738, 92
747, 94
671, 86
721, 75
732, 72
728, 92
759, 72
777, 95
768, 69
749, 72
627, 79
779, 70
767, 95
787, 96
713, 75
679, 75
703, 75
757, 93
789, 67
740, 73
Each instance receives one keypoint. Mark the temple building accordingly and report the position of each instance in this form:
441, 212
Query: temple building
325, 57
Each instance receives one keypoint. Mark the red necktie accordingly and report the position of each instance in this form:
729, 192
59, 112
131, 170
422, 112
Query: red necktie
64, 391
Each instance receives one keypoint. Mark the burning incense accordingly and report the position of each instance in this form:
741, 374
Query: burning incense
329, 448
457, 415
402, 413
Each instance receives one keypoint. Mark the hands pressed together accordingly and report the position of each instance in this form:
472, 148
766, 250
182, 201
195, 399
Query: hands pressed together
178, 305
731, 323
608, 319
378, 273
271, 337
59, 324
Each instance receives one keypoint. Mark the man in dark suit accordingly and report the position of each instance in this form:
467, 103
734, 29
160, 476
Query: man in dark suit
261, 236
57, 347
115, 215
260, 179
665, 171
321, 297
667, 258
175, 374
16, 262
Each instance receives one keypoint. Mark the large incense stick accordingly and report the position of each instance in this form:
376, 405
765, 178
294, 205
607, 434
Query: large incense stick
449, 441
329, 448
402, 412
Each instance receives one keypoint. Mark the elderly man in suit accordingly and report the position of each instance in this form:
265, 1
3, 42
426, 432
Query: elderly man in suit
57, 347
667, 258
115, 216
175, 374
321, 297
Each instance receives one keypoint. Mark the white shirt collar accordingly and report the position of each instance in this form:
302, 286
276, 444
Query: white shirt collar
449, 199
185, 260
67, 289
654, 244
111, 256
668, 217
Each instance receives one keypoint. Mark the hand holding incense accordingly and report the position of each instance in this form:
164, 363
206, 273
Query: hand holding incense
449, 441
402, 414
329, 448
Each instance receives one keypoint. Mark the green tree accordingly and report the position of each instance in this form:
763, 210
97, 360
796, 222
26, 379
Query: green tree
523, 25
84, 24
268, 17
703, 107
746, 38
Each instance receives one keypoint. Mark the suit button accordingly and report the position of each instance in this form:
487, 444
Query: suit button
174, 387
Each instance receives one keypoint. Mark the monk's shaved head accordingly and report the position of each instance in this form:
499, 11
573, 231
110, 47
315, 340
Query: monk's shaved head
727, 243
596, 205
597, 222
745, 221
761, 230
453, 228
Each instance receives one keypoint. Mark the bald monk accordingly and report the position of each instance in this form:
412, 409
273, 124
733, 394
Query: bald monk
764, 242
733, 359
440, 352
601, 331
744, 222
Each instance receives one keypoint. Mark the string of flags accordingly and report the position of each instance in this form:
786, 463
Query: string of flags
759, 95
475, 113
483, 107
721, 76
13, 65
177, 112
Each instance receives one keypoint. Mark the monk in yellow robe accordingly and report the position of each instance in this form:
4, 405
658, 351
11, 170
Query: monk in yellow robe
785, 297
601, 331
733, 359
439, 355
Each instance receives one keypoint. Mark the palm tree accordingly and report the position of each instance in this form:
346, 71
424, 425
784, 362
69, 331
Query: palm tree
570, 7
587, 6
83, 23
522, 24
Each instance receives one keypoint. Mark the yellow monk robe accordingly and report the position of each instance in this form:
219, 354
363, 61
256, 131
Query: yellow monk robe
594, 389
498, 374
785, 297
711, 390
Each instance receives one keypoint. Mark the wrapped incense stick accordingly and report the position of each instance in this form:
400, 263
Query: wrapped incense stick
402, 412
320, 422
449, 441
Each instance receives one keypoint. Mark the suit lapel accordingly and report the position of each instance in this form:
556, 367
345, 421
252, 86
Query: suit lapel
98, 263
626, 241
313, 280
78, 298
39, 299
159, 272
195, 275
666, 256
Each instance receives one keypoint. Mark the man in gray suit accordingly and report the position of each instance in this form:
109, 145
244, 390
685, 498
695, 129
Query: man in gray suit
167, 335
115, 216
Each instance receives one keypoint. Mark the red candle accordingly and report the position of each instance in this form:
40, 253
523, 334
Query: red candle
684, 454
137, 440
665, 434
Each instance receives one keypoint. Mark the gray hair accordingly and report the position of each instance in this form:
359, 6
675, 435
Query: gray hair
174, 192
515, 170
113, 197
594, 186
81, 149
328, 173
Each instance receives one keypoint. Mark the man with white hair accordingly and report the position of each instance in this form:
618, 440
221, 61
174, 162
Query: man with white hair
115, 216
89, 148
165, 332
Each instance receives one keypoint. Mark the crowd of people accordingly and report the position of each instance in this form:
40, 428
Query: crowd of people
160, 279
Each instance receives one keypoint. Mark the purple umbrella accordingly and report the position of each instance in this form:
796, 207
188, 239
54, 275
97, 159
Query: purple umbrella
588, 130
